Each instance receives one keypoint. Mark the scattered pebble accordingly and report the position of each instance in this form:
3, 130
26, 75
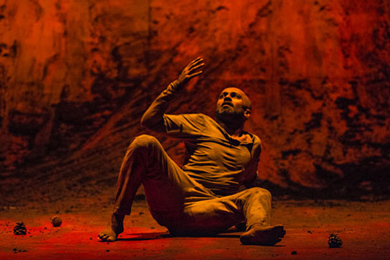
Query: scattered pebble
56, 221
15, 250
294, 252
334, 241
20, 229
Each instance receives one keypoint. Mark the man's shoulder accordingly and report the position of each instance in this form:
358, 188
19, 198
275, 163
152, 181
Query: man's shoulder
202, 118
193, 116
255, 138
203, 122
200, 115
193, 121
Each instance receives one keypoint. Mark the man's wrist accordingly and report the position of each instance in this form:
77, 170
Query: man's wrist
174, 87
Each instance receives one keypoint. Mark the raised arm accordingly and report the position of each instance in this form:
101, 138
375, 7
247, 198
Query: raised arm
153, 117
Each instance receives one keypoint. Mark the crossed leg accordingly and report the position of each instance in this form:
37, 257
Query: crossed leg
213, 216
181, 204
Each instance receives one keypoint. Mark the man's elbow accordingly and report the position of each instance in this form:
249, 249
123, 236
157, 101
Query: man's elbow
145, 122
156, 126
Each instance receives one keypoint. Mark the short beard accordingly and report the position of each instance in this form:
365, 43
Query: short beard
230, 118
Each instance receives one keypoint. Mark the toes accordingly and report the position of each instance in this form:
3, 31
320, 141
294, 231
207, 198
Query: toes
279, 229
103, 237
281, 233
267, 236
106, 238
111, 239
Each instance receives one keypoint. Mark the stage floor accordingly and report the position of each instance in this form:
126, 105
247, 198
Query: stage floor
364, 228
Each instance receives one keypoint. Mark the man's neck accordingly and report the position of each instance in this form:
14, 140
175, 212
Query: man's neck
235, 132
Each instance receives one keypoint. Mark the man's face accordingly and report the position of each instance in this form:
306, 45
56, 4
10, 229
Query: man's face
233, 103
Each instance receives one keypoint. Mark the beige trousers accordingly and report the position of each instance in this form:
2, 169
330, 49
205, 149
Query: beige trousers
177, 201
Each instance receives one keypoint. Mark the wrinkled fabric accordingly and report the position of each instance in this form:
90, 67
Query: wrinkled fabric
179, 202
213, 157
203, 196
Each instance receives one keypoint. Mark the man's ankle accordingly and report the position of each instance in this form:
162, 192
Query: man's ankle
117, 218
258, 226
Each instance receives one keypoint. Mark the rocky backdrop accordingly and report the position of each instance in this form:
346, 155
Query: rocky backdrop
77, 75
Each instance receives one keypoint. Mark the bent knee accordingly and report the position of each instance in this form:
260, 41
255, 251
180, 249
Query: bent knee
144, 141
261, 192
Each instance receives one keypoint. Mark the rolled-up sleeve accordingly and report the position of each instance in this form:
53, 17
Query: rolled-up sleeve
184, 125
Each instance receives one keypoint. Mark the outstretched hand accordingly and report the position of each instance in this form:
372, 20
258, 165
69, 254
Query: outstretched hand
190, 71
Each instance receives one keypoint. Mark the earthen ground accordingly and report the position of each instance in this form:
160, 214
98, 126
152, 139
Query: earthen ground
364, 228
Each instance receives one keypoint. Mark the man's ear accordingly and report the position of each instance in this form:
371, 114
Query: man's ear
247, 113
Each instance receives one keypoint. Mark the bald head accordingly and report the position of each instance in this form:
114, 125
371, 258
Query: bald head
246, 102
233, 108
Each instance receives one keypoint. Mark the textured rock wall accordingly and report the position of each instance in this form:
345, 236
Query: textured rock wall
76, 76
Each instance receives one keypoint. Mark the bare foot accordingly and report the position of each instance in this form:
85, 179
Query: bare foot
263, 235
113, 229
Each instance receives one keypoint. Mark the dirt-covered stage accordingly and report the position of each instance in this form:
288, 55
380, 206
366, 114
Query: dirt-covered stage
76, 77
363, 227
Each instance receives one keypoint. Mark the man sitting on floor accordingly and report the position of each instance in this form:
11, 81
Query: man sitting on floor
202, 198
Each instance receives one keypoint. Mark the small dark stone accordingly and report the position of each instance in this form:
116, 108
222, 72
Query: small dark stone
20, 229
56, 221
334, 241
294, 252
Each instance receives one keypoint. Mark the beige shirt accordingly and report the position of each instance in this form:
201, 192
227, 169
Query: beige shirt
213, 158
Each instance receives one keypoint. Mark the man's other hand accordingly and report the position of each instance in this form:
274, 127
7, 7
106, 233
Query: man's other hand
193, 69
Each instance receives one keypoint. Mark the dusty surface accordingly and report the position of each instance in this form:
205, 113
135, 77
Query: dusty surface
364, 228
76, 77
